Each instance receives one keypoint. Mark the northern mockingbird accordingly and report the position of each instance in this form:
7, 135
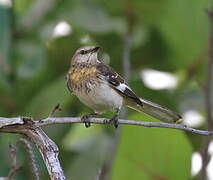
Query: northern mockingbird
99, 87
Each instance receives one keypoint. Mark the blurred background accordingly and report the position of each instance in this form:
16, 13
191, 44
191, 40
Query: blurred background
159, 46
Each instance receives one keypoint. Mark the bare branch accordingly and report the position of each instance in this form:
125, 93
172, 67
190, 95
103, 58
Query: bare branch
49, 150
209, 82
57, 107
23, 129
208, 100
13, 172
62, 120
14, 166
29, 150
10, 121
46, 146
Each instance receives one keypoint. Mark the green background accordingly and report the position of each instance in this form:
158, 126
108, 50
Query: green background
166, 35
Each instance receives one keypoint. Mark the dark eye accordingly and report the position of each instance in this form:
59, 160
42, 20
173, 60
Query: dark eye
82, 52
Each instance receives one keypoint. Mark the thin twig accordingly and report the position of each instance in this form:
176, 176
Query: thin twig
208, 100
57, 107
13, 172
63, 120
29, 150
15, 167
21, 128
209, 83
45, 145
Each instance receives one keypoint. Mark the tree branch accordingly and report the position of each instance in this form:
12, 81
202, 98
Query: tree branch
14, 166
62, 120
49, 149
46, 146
29, 150
208, 100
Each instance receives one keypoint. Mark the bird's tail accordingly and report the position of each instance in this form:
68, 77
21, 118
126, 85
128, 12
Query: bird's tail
155, 110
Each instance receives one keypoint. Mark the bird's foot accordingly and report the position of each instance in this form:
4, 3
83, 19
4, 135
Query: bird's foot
86, 119
114, 120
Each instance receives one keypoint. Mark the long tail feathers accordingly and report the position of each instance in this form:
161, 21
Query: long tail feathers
155, 110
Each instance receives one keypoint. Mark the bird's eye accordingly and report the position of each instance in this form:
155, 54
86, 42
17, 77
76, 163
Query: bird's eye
82, 52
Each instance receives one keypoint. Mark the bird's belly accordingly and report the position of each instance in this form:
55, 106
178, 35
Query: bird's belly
101, 97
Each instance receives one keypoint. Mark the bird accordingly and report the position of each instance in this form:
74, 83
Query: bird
99, 87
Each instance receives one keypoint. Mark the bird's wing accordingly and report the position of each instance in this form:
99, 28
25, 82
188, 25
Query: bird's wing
134, 102
117, 83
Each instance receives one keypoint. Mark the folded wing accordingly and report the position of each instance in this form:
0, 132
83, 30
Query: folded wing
134, 102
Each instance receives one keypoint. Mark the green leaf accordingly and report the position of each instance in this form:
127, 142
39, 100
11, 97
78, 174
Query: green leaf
184, 26
87, 165
152, 153
79, 137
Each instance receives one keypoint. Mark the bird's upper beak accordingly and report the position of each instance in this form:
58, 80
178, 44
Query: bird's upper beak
96, 49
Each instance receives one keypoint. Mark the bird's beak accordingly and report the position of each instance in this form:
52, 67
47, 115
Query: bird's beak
96, 49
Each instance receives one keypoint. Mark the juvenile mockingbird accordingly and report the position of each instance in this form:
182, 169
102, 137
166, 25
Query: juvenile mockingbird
99, 87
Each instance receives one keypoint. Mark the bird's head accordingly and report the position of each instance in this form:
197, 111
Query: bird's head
86, 55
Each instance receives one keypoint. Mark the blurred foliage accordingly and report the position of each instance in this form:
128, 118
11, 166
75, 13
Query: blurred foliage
151, 153
167, 35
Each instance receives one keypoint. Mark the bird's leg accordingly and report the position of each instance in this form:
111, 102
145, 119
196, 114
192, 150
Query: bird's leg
114, 119
86, 119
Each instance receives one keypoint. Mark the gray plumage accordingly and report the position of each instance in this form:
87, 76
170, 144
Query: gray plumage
99, 87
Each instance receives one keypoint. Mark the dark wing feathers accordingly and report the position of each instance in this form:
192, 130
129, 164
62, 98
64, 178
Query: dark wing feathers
117, 82
128, 92
110, 74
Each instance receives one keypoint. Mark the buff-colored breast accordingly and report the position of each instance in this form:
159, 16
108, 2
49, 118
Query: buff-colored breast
79, 77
